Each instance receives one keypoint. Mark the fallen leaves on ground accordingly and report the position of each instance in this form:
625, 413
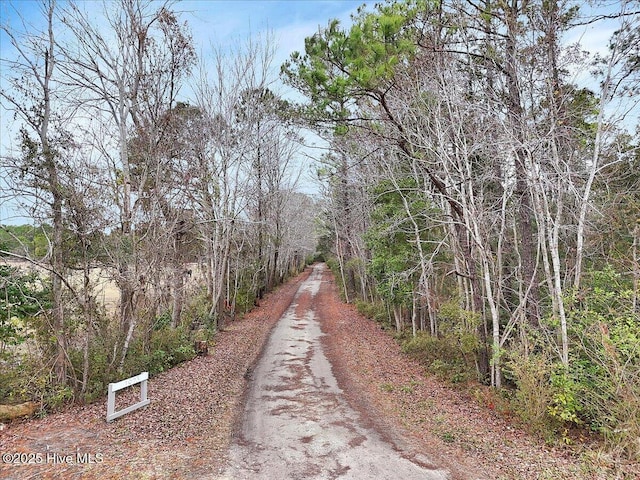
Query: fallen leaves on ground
186, 430
184, 433
446, 424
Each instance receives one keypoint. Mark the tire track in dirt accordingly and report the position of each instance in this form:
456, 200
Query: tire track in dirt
297, 422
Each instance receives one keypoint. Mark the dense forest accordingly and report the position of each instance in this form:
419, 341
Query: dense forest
187, 207
481, 194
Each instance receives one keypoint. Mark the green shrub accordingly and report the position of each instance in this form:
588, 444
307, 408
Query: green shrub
168, 347
56, 397
442, 357
245, 300
533, 396
375, 311
175, 344
451, 354
332, 263
604, 368
600, 387
459, 327
196, 312
100, 373
158, 361
565, 404
423, 347
162, 321
12, 384
317, 257
28, 380
23, 296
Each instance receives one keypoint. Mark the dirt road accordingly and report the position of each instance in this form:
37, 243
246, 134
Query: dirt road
297, 423
294, 419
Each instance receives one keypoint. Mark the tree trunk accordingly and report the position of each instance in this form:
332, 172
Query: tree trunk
87, 307
397, 316
636, 266
57, 258
522, 193
178, 295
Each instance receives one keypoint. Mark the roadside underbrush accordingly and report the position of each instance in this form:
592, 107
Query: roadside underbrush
592, 409
26, 375
96, 352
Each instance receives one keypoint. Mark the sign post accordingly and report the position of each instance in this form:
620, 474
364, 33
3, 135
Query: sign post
114, 387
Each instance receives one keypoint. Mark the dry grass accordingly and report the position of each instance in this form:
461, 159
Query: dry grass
104, 286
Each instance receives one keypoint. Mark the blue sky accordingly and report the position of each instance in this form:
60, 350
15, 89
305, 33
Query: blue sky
212, 22
221, 21
224, 22
217, 22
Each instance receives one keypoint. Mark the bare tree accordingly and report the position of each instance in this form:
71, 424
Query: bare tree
617, 77
37, 174
127, 72
223, 147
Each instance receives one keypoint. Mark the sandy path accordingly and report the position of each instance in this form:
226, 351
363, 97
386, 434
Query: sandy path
297, 423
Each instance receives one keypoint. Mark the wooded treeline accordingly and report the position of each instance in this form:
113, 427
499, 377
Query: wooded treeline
483, 194
138, 158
